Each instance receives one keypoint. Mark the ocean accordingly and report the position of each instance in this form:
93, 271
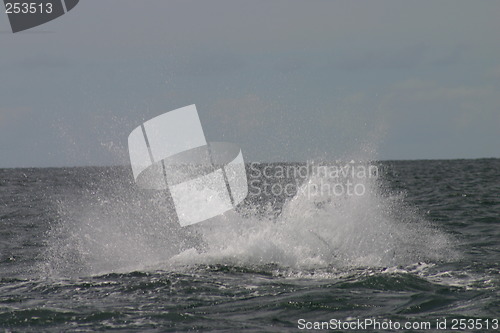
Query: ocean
410, 246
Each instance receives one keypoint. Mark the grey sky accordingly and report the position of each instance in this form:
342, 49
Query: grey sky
286, 80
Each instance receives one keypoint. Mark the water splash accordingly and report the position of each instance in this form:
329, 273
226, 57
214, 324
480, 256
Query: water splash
121, 229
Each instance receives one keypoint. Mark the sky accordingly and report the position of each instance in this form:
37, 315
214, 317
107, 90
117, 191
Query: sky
286, 80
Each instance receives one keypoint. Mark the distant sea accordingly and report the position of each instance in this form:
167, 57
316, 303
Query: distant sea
417, 243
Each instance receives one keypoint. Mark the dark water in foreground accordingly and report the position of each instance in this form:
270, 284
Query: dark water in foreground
82, 249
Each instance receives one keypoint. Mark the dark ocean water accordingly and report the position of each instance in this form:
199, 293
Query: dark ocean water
82, 249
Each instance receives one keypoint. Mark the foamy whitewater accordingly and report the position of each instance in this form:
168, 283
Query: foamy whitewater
121, 231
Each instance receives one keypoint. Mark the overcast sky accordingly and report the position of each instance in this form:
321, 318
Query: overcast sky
285, 80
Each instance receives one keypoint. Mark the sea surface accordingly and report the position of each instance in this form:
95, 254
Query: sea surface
414, 242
